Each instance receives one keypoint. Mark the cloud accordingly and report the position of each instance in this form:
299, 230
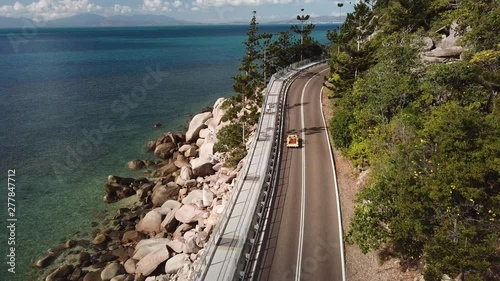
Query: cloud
195, 8
177, 4
119, 9
219, 3
49, 9
154, 5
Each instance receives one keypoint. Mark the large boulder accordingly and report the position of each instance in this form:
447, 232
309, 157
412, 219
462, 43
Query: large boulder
44, 261
207, 196
191, 152
99, 239
188, 213
151, 145
206, 150
122, 277
202, 166
169, 220
135, 165
180, 163
428, 44
193, 197
151, 261
204, 133
162, 193
60, 273
150, 223
190, 247
186, 173
130, 265
174, 264
165, 170
181, 229
166, 138
111, 270
448, 48
171, 204
196, 124
132, 236
165, 150
176, 245
200, 142
93, 276
212, 221
446, 53
184, 148
147, 246
190, 183
218, 112
451, 40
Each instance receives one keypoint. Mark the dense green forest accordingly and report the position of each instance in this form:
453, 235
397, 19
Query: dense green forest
423, 116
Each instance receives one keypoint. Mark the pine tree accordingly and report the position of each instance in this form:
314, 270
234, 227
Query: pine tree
250, 78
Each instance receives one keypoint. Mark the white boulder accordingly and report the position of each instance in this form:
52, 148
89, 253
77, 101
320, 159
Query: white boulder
151, 261
207, 197
188, 213
174, 264
186, 173
202, 166
196, 124
206, 150
147, 246
193, 197
150, 223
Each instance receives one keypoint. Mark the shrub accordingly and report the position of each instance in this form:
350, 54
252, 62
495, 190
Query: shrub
235, 157
339, 128
229, 138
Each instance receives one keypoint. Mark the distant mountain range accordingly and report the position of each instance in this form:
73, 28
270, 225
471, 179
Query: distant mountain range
93, 20
14, 22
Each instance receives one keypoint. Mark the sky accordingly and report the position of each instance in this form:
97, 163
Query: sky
209, 11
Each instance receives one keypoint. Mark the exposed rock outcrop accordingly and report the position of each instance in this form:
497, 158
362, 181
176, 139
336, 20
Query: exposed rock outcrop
196, 124
446, 50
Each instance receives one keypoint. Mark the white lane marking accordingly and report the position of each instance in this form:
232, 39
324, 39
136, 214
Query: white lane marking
336, 186
303, 193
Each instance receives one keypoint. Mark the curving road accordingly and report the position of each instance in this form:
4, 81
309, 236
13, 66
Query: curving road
303, 240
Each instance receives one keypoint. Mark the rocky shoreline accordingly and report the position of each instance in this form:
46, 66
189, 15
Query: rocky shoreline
178, 204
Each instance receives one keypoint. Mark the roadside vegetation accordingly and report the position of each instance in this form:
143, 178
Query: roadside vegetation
428, 132
265, 55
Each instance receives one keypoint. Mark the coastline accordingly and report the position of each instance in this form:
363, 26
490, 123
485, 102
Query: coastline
172, 210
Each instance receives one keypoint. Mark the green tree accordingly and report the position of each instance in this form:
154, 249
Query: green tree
429, 134
306, 47
281, 54
250, 78
478, 22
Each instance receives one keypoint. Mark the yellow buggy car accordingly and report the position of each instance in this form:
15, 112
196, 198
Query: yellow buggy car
292, 141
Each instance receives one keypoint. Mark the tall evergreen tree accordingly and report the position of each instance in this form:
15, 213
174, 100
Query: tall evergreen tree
250, 78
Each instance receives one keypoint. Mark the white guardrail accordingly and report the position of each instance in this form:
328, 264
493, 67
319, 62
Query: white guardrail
230, 252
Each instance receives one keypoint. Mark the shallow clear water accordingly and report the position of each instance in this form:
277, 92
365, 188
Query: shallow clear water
72, 112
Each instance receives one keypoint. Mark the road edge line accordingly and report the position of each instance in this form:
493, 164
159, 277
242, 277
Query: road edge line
341, 231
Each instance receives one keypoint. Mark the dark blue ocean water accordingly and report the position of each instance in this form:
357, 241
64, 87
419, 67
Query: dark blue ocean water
76, 105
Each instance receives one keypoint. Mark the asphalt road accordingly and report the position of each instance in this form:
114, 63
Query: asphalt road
302, 241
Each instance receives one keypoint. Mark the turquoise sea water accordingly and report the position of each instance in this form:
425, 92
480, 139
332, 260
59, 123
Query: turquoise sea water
72, 112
